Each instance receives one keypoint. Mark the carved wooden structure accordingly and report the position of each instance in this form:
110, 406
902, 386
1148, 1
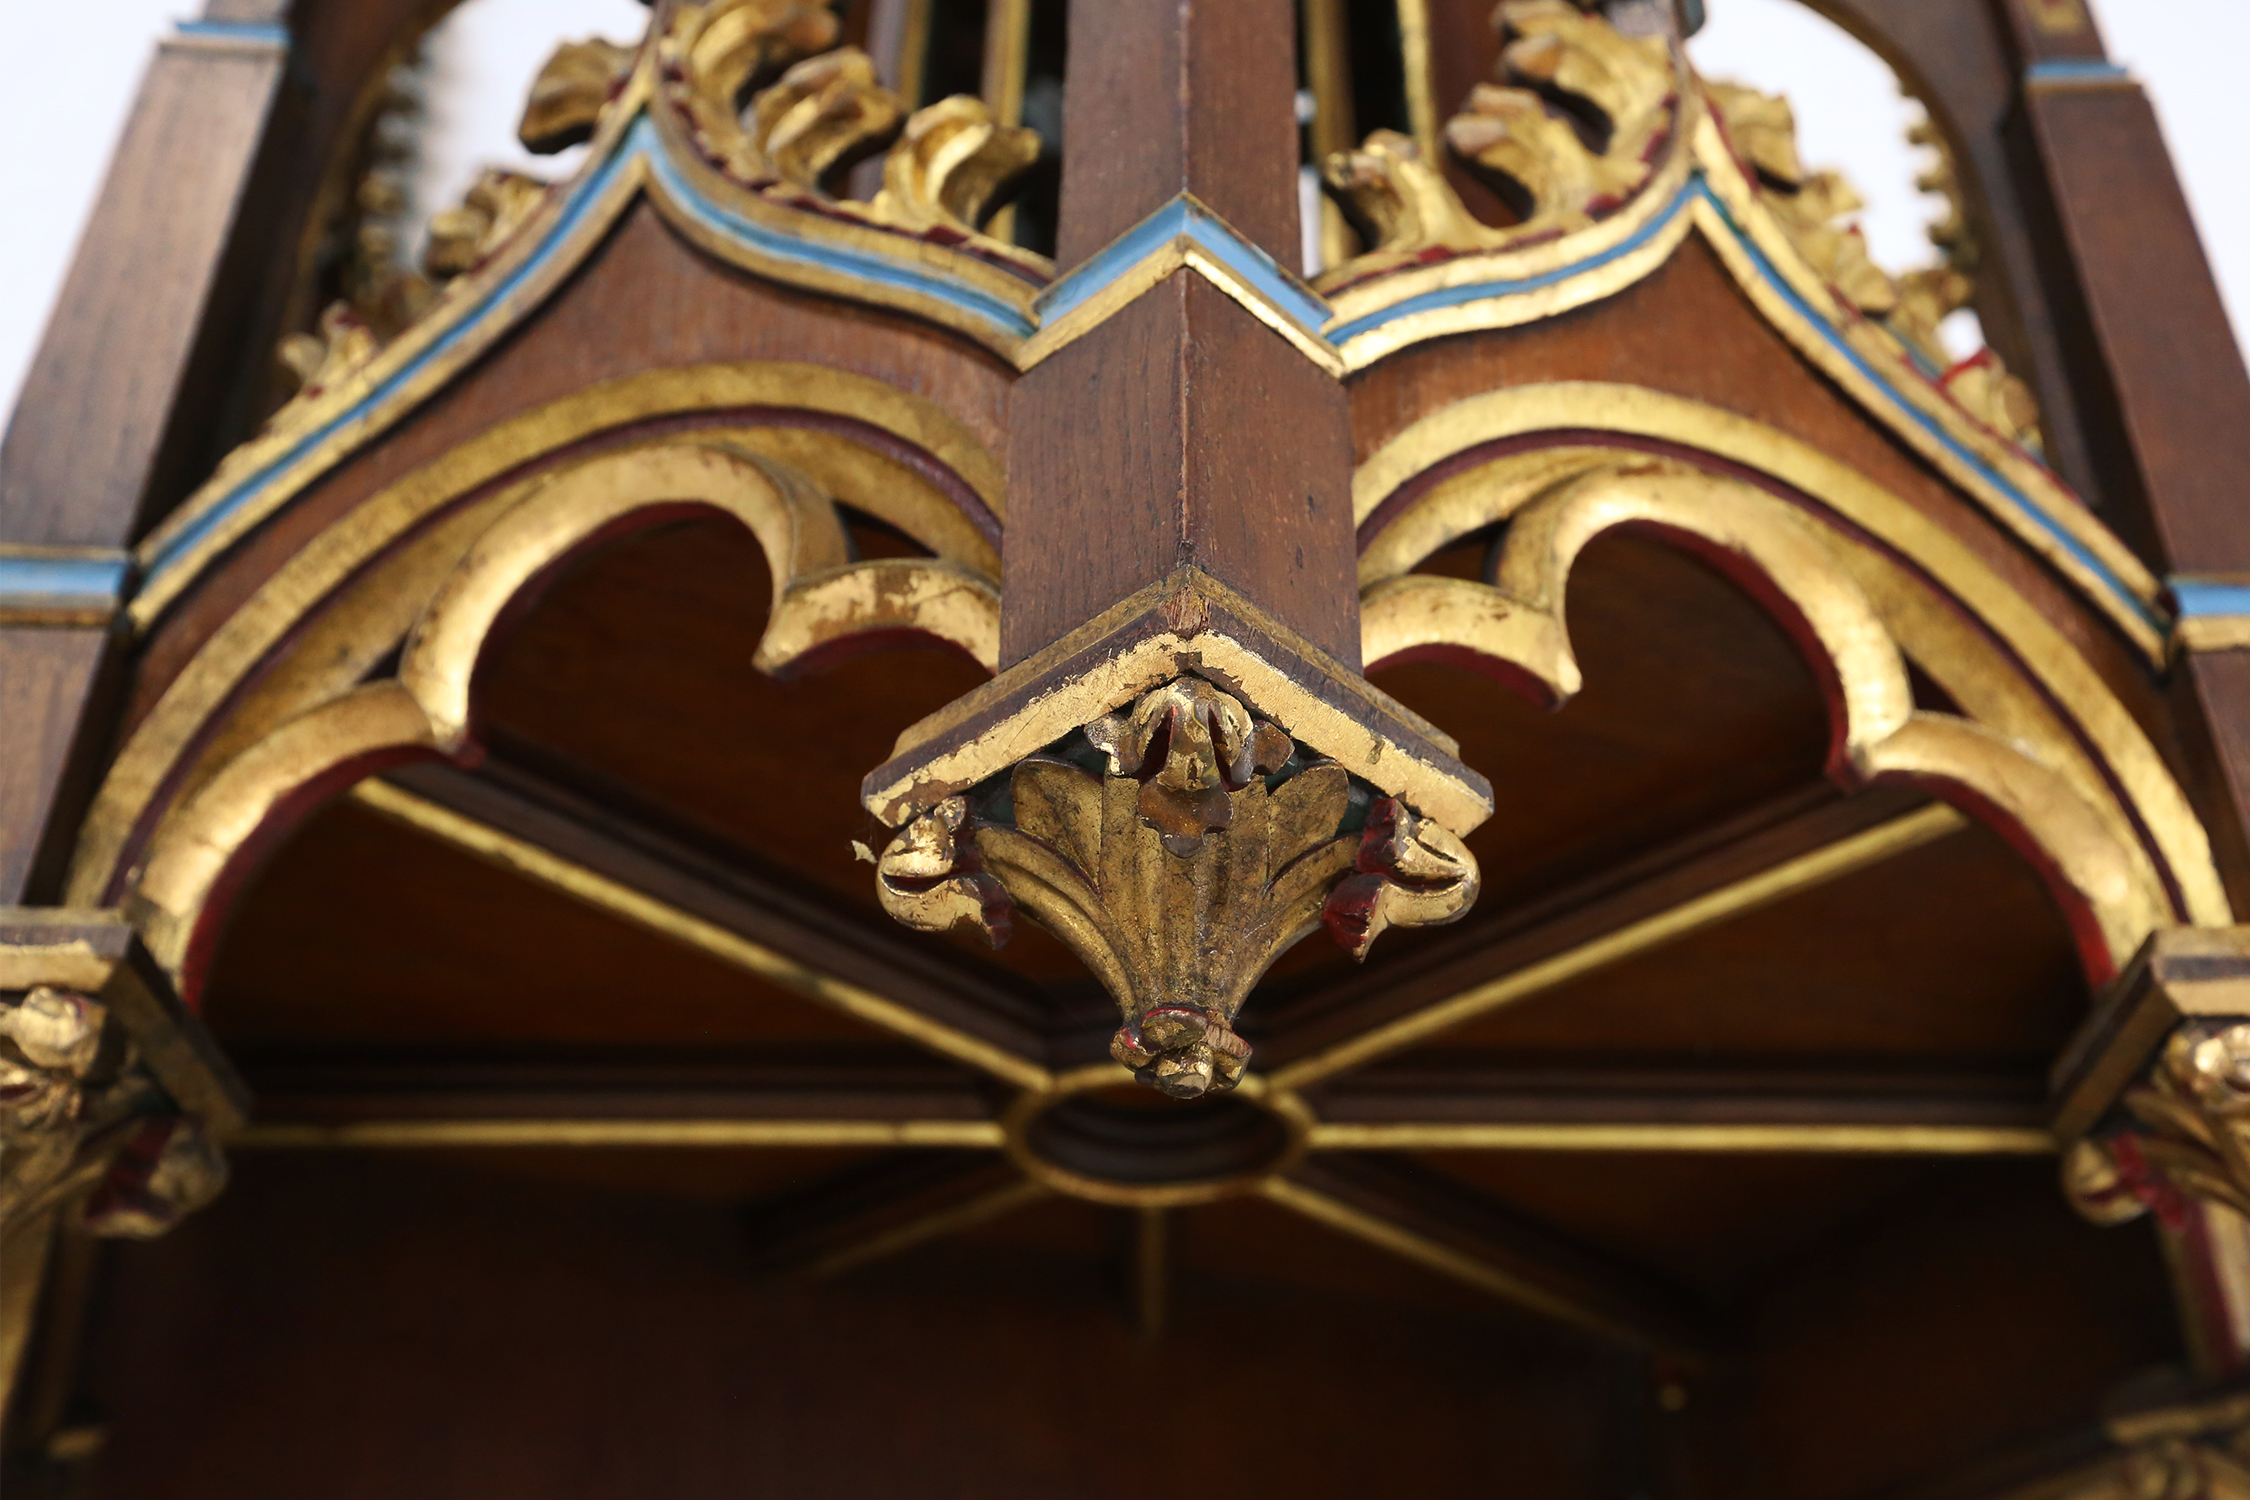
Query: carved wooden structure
639, 786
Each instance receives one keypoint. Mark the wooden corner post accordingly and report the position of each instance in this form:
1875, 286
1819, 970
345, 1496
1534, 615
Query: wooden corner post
1180, 769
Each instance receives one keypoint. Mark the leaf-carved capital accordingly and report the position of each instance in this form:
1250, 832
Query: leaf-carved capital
81, 1119
2180, 1135
109, 1092
1192, 747
1408, 872
1178, 847
930, 877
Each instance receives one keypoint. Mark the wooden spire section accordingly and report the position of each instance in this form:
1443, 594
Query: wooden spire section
1182, 432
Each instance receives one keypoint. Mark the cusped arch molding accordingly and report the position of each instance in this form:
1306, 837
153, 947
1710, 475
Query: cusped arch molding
2041, 749
363, 650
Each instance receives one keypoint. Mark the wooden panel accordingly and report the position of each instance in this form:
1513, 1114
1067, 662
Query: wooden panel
501, 1336
362, 934
644, 300
740, 895
2211, 701
636, 666
98, 398
1182, 431
1696, 707
1696, 710
1172, 96
1969, 1317
1954, 950
1717, 1224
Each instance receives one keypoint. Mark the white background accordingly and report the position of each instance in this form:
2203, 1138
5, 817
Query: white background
70, 86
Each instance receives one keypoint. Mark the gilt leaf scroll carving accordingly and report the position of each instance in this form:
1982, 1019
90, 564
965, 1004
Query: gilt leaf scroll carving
944, 167
1569, 133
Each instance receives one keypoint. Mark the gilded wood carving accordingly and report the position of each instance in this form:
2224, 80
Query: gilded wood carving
1178, 847
111, 1096
1509, 132
2185, 1135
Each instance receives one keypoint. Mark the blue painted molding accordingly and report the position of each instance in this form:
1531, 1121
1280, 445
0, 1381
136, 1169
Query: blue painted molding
1178, 227
1479, 291
2077, 70
63, 584
2203, 598
847, 260
270, 33
1968, 457
588, 192
1184, 221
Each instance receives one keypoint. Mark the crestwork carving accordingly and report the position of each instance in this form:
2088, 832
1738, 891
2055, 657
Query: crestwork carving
2187, 1136
1561, 168
495, 206
712, 53
825, 112
1513, 132
944, 167
1179, 847
1983, 388
568, 96
1813, 209
949, 164
321, 360
1811, 206
1402, 202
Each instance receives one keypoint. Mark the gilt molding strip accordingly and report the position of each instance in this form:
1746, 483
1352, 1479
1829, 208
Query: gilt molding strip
1184, 233
1673, 1136
2076, 545
263, 475
408, 1135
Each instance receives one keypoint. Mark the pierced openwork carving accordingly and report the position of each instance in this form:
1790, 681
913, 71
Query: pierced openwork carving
1570, 134
1179, 847
324, 359
1537, 150
2186, 1134
1515, 628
